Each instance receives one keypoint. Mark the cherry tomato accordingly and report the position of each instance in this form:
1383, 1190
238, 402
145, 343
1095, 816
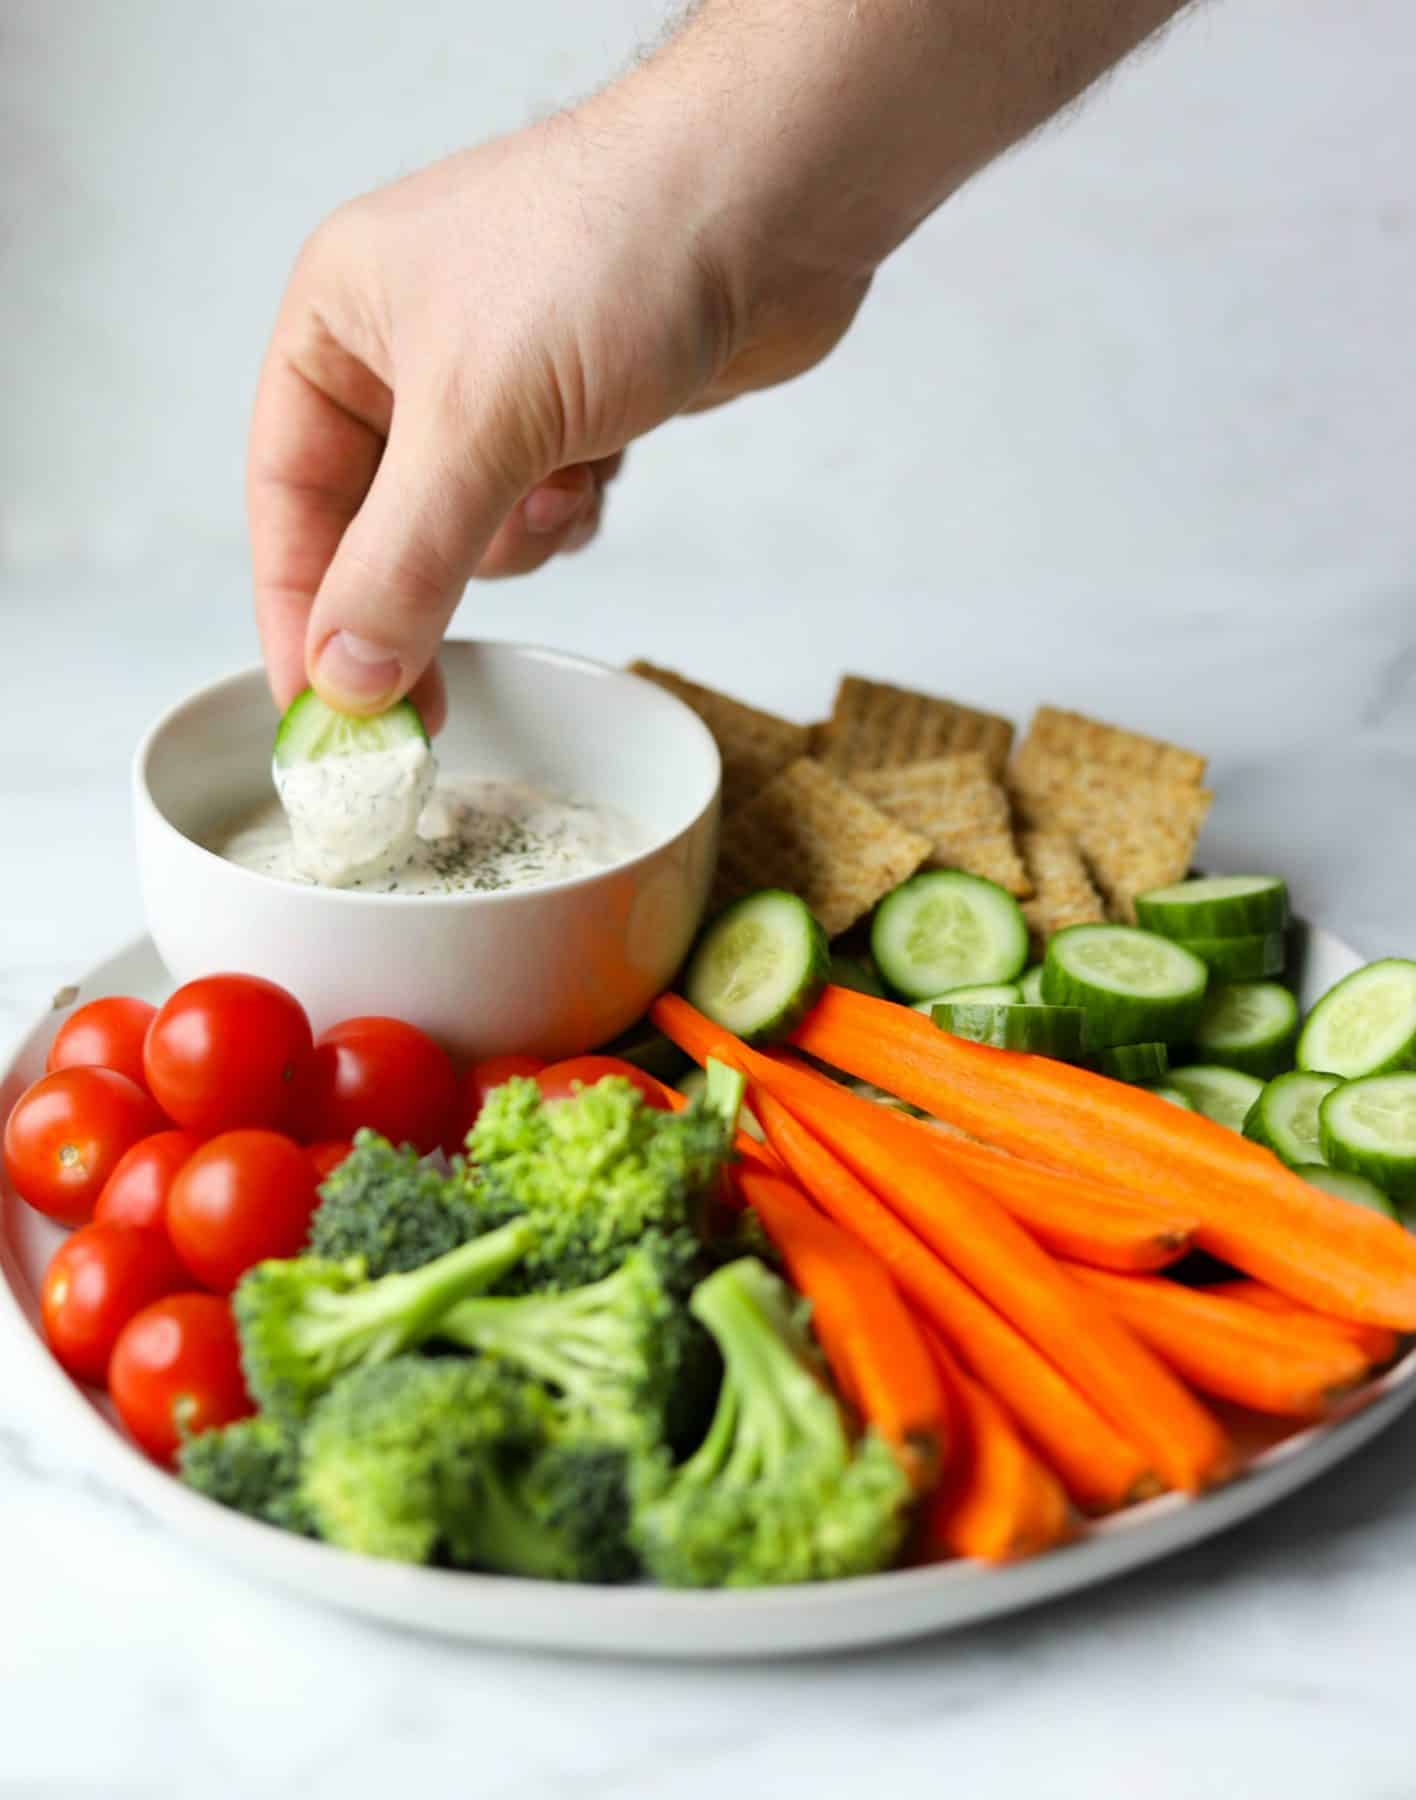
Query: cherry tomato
136, 1192
328, 1155
383, 1074
105, 1034
65, 1134
227, 1051
175, 1370
95, 1282
244, 1196
559, 1081
482, 1077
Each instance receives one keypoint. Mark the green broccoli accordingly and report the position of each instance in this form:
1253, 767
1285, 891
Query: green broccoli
594, 1173
559, 1515
776, 1492
252, 1466
393, 1209
305, 1321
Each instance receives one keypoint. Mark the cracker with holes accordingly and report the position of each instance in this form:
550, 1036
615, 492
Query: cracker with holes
876, 726
754, 745
957, 804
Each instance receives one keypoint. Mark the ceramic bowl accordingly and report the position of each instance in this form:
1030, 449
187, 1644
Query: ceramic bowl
552, 970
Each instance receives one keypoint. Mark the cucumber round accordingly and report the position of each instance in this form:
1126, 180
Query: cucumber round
1347, 1186
988, 993
1284, 1118
1030, 984
942, 929
1056, 1031
857, 973
1138, 1063
1366, 1024
1248, 1025
759, 965
1242, 958
1224, 1095
1368, 1127
309, 730
1164, 1091
1134, 987
1216, 906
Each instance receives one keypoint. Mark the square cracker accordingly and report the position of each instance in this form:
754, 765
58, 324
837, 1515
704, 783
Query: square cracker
956, 803
810, 833
754, 745
876, 726
1062, 890
1087, 740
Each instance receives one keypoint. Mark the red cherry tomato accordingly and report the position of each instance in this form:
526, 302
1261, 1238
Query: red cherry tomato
383, 1074
328, 1155
65, 1134
227, 1051
482, 1077
244, 1196
559, 1082
105, 1034
136, 1192
95, 1282
176, 1370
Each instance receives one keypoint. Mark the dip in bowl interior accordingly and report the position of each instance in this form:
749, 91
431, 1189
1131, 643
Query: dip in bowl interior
551, 969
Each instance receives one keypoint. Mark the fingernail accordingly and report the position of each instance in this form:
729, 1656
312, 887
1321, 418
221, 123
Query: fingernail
549, 508
354, 670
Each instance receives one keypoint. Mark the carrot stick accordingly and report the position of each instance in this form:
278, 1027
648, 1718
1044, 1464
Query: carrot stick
1100, 1469
1336, 1257
1260, 1360
870, 1337
1000, 1502
1375, 1342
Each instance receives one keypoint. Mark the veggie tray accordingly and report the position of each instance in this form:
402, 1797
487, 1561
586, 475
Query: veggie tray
1276, 1456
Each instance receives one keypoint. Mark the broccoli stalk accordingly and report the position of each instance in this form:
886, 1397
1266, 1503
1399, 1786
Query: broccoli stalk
305, 1321
776, 1492
252, 1466
393, 1209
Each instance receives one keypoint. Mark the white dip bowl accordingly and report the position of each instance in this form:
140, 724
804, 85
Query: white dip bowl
552, 970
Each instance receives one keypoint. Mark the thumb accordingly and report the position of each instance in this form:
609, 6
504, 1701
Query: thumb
403, 562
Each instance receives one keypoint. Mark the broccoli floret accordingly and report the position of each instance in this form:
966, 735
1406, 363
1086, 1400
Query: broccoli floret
561, 1515
252, 1466
776, 1492
594, 1173
393, 1209
305, 1321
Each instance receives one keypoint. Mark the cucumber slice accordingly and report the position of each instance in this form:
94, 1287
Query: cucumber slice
1346, 1186
1216, 906
1285, 1116
1366, 1024
1030, 984
1369, 1128
1135, 987
1224, 1095
857, 973
1056, 1031
759, 965
1143, 1063
1164, 1091
943, 928
1242, 958
1249, 1025
994, 993
310, 730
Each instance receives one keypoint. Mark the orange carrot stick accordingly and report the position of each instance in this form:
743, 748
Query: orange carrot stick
1264, 1361
1375, 1342
1254, 1213
1000, 1502
1101, 1470
870, 1337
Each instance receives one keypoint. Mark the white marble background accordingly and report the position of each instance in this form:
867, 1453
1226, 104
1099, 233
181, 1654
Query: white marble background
1131, 427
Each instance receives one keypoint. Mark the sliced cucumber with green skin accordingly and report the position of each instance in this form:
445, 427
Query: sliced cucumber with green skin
1248, 1025
1347, 1186
1216, 906
1224, 1095
1055, 1031
1137, 1063
857, 973
1369, 1128
1284, 1118
944, 928
1366, 1024
1134, 986
988, 993
759, 965
1241, 958
1030, 985
310, 731
1164, 1091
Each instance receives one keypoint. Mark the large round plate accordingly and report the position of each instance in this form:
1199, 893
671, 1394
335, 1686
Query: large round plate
644, 1620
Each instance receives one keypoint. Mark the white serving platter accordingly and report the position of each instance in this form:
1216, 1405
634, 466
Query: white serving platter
641, 1620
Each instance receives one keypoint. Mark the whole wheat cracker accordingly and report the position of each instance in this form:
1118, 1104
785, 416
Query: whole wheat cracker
876, 726
753, 744
1062, 890
1086, 740
956, 803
